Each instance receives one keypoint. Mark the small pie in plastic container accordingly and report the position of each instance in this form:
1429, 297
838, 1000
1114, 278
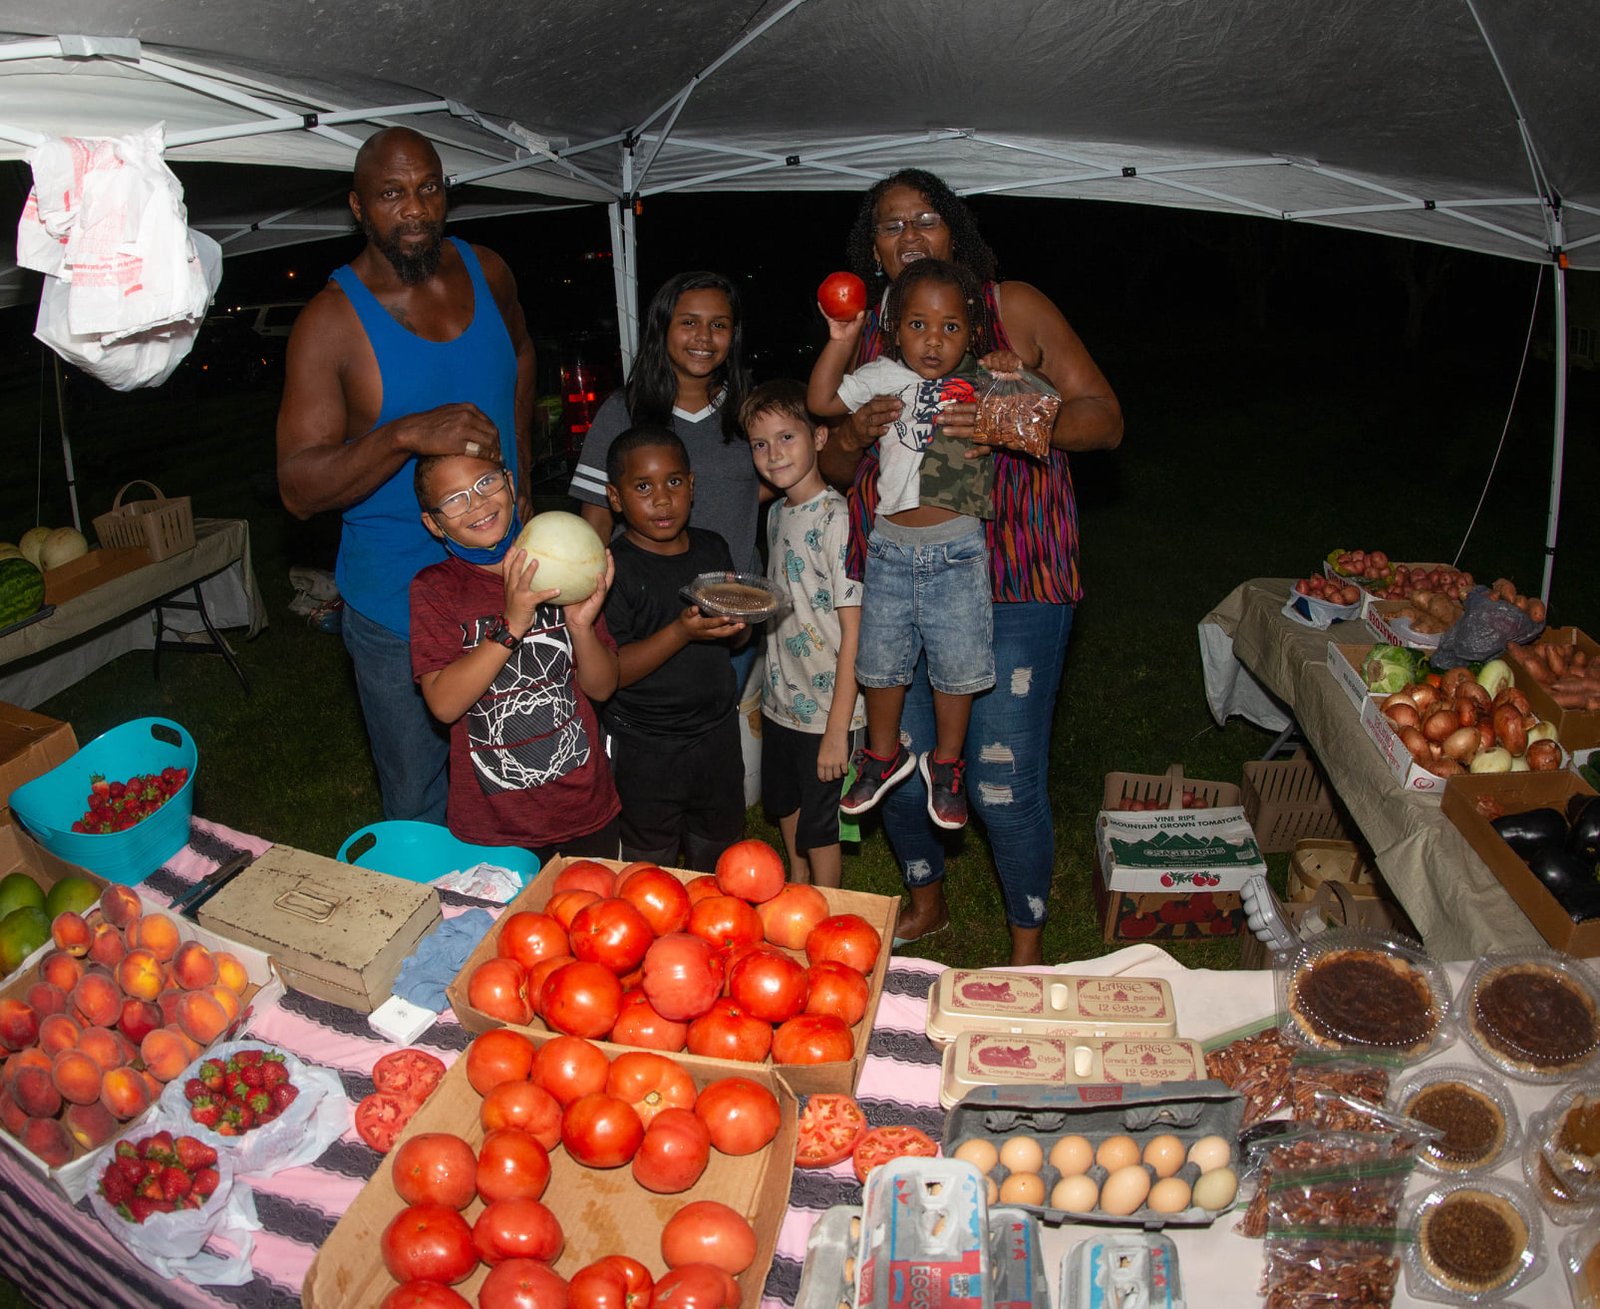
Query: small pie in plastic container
1471, 1109
1472, 1240
748, 597
1533, 1014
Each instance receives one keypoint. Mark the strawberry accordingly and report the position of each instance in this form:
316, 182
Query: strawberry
131, 1171
205, 1181
283, 1095
193, 1089
205, 1110
274, 1073
150, 1187
127, 1150
260, 1102
159, 1146
116, 1188
254, 1076
194, 1155
249, 1057
175, 1183
139, 1208
236, 1087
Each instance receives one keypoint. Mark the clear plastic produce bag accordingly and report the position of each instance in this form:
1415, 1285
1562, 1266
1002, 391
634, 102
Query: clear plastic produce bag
1017, 411
1483, 631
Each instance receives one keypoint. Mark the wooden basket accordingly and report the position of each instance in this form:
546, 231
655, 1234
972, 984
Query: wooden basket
1287, 799
1166, 789
162, 526
1315, 862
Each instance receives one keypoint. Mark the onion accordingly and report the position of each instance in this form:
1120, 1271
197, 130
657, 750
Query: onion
1439, 724
1448, 768
1511, 695
1475, 693
1509, 730
1543, 730
1403, 714
1485, 731
1424, 695
1462, 744
1544, 756
1454, 678
1417, 744
1497, 760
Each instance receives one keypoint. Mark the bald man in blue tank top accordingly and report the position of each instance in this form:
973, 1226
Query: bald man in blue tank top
417, 346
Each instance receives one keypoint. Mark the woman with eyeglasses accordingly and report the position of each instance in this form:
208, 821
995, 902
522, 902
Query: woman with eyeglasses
1033, 557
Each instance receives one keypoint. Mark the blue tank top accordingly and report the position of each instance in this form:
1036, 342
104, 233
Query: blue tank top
384, 544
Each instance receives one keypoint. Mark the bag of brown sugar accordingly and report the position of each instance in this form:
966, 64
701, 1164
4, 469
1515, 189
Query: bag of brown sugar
1017, 411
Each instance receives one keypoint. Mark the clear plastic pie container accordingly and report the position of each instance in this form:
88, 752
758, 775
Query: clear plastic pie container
1473, 1110
748, 597
1533, 1014
1472, 1241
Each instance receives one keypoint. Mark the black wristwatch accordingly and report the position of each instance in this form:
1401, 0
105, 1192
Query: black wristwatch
501, 634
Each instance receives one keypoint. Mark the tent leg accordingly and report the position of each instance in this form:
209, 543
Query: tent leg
624, 266
66, 443
1560, 436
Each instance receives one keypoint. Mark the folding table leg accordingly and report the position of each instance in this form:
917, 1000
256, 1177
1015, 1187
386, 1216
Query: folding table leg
217, 644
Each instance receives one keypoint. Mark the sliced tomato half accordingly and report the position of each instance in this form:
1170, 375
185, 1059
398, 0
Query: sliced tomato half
410, 1074
881, 1144
829, 1128
381, 1117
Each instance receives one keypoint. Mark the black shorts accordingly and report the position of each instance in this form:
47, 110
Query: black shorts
789, 782
682, 805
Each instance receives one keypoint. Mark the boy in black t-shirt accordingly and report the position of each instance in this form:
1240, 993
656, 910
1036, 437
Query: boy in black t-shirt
676, 756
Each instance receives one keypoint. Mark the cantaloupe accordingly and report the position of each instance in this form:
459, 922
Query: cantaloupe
571, 556
32, 542
62, 546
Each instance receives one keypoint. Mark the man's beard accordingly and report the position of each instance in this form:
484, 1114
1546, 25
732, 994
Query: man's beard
416, 265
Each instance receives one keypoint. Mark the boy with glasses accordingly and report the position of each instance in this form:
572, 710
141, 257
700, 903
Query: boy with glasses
513, 675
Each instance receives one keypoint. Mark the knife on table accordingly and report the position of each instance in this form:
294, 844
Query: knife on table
188, 904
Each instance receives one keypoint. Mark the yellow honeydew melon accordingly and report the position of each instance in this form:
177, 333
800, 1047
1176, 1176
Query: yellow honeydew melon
32, 542
9, 551
62, 546
570, 554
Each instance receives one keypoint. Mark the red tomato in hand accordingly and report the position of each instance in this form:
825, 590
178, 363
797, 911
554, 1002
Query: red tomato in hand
523, 1284
581, 999
724, 920
525, 1106
740, 1113
813, 1039
751, 870
569, 1067
436, 1168
709, 1232
529, 937
614, 1282
769, 984
512, 1165
611, 933
498, 987
498, 1056
601, 1131
658, 895
585, 875
727, 1031
423, 1295
842, 296
830, 1127
428, 1243
696, 1286
651, 1083
837, 989
787, 918
846, 939
681, 978
674, 1152
517, 1228
411, 1074
639, 1023
881, 1144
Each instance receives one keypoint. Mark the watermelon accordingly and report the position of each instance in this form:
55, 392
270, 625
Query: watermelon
21, 591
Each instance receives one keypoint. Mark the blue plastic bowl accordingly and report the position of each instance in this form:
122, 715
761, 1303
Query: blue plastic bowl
51, 803
424, 852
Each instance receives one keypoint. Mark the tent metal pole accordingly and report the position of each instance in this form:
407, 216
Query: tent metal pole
1553, 518
66, 443
624, 269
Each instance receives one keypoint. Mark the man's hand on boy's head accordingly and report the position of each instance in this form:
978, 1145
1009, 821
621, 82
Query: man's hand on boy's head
522, 599
460, 428
700, 626
585, 612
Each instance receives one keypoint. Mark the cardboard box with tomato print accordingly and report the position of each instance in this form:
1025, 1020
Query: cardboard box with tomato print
601, 1211
878, 911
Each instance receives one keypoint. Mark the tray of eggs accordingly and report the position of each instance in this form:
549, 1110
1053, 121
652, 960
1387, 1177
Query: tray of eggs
1159, 1159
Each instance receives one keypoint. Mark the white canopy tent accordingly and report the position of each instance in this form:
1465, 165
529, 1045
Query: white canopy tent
1467, 123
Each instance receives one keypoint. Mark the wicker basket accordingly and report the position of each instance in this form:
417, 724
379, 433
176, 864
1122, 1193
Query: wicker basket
1287, 799
162, 526
1315, 862
1166, 789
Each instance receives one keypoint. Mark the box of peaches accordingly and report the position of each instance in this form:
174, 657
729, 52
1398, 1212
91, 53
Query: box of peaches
118, 1002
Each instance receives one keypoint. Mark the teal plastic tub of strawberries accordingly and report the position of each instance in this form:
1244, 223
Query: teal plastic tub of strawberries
84, 790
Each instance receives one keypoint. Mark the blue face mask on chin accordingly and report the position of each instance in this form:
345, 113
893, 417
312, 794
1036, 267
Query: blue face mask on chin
493, 554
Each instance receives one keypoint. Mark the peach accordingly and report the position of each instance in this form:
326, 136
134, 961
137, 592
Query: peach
138, 1018
152, 1085
165, 1053
228, 999
193, 968
60, 969
139, 974
46, 1139
91, 1125
58, 1032
35, 1093
33, 1057
19, 1025
71, 933
120, 906
77, 1076
201, 1017
230, 972
156, 933
106, 945
108, 1048
191, 1047
97, 999
167, 1002
46, 999
127, 1092
12, 1117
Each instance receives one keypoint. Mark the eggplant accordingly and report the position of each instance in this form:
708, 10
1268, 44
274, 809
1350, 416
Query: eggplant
1564, 873
1583, 812
1537, 829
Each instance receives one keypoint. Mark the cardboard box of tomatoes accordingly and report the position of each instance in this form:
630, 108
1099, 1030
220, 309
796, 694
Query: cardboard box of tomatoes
878, 911
601, 1211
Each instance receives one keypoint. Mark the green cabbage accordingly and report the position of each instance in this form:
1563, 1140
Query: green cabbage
1389, 668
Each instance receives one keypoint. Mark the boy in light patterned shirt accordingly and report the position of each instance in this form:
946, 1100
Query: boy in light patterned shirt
809, 702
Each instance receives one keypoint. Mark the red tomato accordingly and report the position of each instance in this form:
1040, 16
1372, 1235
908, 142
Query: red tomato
611, 933
639, 1023
529, 937
787, 918
724, 920
650, 1083
423, 1295
829, 1128
726, 1031
813, 1039
680, 976
569, 1067
709, 1232
614, 1282
581, 999
436, 1168
428, 1243
498, 1056
842, 296
512, 1165
601, 1131
585, 875
837, 989
696, 1286
845, 938
498, 987
741, 1114
517, 1228
536, 979
523, 1284
769, 984
658, 895
525, 1106
410, 1074
381, 1117
674, 1152
563, 906
698, 888
881, 1144
751, 870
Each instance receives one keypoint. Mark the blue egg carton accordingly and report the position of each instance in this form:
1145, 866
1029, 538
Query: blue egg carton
425, 852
